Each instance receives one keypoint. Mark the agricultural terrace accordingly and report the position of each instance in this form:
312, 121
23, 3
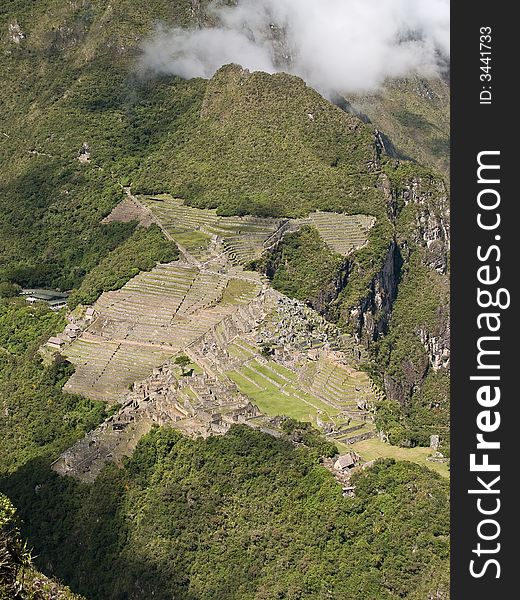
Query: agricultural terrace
342, 233
151, 318
245, 238
323, 393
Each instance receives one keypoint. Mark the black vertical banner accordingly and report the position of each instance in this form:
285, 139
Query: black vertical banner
485, 247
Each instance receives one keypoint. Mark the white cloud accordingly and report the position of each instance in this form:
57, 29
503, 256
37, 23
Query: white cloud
335, 45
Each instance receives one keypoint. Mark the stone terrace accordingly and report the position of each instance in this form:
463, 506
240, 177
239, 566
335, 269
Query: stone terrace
245, 238
342, 233
152, 317
251, 347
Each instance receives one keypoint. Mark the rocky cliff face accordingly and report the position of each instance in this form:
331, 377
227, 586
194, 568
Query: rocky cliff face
431, 227
437, 342
402, 388
408, 296
431, 235
369, 318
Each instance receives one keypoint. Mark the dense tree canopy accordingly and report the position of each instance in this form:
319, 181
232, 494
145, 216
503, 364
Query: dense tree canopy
242, 516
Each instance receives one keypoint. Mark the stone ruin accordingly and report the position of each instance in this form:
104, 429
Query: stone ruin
294, 326
84, 153
206, 402
196, 405
15, 32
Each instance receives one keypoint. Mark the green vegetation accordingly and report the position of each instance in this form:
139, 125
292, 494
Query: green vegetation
374, 448
141, 252
267, 351
253, 149
9, 290
13, 554
304, 267
183, 362
241, 516
421, 405
235, 289
306, 434
68, 83
39, 419
366, 264
18, 578
23, 326
426, 412
415, 114
50, 234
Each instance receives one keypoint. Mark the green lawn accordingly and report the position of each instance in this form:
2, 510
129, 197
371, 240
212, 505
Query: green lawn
239, 352
283, 371
235, 289
270, 400
195, 242
265, 370
374, 448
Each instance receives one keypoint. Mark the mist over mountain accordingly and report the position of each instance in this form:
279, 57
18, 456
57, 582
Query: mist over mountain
335, 45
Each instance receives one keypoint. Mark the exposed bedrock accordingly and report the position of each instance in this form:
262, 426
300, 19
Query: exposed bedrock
419, 210
369, 318
436, 341
413, 372
432, 225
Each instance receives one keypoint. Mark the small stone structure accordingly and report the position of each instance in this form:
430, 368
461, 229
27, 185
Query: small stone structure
55, 343
84, 153
72, 331
346, 462
15, 32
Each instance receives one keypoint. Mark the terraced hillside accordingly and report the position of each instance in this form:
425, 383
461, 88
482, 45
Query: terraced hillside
230, 380
148, 320
105, 369
342, 233
245, 238
253, 355
252, 349
342, 386
306, 383
276, 390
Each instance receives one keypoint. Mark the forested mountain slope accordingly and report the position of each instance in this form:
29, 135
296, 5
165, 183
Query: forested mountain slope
242, 515
239, 516
414, 115
261, 144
